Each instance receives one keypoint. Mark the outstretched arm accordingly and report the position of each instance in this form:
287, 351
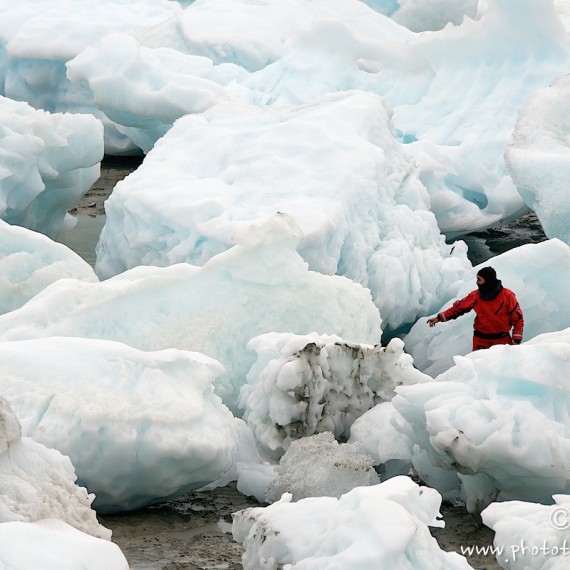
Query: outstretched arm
456, 310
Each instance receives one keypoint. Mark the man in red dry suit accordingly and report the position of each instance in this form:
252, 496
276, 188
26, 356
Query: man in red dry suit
497, 312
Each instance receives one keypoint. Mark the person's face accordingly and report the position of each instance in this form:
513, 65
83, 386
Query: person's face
480, 280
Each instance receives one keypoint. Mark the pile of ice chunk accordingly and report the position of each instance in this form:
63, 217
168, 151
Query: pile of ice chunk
318, 466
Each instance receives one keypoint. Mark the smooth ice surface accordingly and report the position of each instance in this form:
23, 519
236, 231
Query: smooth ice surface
382, 526
500, 418
260, 286
302, 385
538, 275
334, 168
30, 261
52, 544
47, 162
539, 157
39, 483
530, 536
122, 415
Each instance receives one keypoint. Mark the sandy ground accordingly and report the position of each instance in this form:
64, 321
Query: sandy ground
194, 532
112, 170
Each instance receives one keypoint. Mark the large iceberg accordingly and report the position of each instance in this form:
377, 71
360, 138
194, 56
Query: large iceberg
333, 167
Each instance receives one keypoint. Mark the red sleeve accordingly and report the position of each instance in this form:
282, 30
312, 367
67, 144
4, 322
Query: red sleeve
459, 307
516, 318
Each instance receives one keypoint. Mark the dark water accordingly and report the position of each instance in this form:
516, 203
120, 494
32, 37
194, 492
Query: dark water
486, 244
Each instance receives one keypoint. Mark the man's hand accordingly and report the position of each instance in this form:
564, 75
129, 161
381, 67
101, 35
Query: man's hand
431, 322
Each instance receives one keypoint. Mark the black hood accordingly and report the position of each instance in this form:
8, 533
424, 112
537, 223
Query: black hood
490, 289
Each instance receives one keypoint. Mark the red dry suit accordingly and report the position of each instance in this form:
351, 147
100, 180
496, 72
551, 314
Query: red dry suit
494, 320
